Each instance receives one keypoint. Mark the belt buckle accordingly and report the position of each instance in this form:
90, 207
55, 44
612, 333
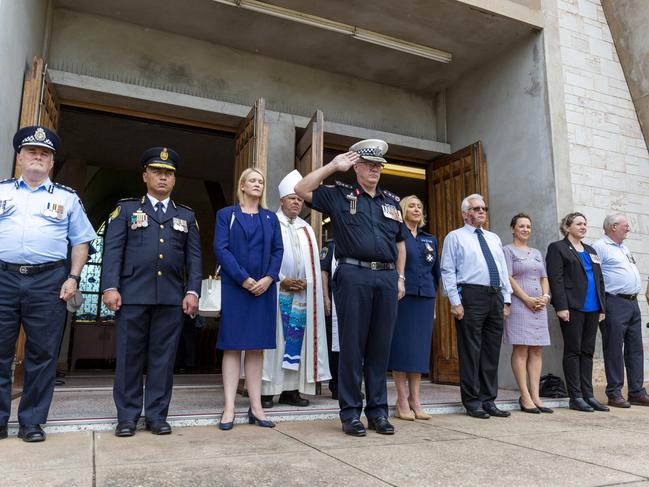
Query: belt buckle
23, 269
374, 266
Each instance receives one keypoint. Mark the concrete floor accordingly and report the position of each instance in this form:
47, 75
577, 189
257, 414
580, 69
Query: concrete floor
565, 448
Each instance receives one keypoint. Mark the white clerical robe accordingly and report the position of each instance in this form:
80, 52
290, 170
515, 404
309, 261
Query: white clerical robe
314, 359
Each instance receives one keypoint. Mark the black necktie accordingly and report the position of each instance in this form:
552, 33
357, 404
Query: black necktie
494, 277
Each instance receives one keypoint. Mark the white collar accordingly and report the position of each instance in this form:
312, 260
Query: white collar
165, 202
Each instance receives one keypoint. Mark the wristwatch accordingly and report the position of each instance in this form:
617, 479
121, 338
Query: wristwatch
76, 278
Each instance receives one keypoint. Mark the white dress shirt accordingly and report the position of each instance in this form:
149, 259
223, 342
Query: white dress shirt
165, 202
621, 276
464, 263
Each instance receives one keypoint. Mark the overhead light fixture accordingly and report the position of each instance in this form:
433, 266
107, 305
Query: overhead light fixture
341, 28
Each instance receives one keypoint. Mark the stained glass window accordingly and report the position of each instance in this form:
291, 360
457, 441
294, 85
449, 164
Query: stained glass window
93, 310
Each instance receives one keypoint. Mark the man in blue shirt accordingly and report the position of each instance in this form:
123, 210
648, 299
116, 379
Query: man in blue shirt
622, 328
476, 281
38, 221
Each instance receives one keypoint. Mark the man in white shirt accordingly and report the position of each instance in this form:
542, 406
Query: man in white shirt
622, 328
475, 278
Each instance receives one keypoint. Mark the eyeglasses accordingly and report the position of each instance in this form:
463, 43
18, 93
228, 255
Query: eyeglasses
372, 165
479, 208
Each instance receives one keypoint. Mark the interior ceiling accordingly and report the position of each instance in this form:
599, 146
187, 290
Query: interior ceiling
470, 35
117, 142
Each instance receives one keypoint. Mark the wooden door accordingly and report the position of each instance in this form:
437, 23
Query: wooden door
251, 144
39, 107
450, 179
309, 157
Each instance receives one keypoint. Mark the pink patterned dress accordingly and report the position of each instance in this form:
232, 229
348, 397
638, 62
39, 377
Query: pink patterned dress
524, 326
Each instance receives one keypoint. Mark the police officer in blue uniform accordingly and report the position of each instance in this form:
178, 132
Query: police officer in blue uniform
39, 220
369, 280
151, 275
326, 258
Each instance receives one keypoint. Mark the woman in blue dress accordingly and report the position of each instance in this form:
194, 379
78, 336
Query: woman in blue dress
410, 353
248, 245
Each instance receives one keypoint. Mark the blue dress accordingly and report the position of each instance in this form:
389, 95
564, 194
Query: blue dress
247, 246
413, 330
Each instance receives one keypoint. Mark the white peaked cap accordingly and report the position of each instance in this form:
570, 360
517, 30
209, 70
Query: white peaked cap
287, 185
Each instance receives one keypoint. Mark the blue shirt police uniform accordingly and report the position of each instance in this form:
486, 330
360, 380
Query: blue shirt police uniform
153, 258
37, 226
367, 229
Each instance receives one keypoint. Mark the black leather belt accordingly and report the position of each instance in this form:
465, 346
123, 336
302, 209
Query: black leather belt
375, 266
628, 297
31, 269
489, 289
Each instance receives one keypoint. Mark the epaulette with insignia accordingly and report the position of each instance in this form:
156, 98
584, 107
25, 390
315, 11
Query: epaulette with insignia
185, 206
126, 199
65, 188
8, 180
391, 195
344, 185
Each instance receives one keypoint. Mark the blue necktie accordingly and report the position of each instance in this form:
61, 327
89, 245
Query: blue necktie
158, 211
494, 277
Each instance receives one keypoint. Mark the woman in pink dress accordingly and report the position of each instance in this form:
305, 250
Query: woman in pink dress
527, 326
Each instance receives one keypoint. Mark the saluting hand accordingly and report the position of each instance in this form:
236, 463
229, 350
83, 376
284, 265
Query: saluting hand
190, 304
68, 288
112, 299
343, 162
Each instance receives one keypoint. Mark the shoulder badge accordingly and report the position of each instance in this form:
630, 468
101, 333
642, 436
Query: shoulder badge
8, 180
344, 185
115, 213
391, 195
324, 252
65, 188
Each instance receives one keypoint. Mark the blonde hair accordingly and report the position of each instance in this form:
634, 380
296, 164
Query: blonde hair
244, 177
404, 204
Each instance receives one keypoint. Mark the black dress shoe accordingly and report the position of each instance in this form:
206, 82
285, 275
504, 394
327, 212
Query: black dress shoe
533, 410
478, 413
266, 402
124, 429
159, 427
354, 427
31, 433
578, 404
293, 398
3, 432
545, 410
596, 405
495, 411
381, 425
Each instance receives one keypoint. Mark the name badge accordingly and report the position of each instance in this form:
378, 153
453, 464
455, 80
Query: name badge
392, 212
629, 256
139, 219
54, 210
594, 258
180, 225
3, 204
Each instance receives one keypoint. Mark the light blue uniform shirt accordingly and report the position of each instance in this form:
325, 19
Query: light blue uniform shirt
464, 263
36, 225
621, 276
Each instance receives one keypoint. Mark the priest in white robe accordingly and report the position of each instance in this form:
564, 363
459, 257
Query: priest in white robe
301, 358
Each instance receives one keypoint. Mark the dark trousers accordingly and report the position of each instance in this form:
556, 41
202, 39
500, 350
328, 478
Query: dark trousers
479, 334
148, 333
366, 304
622, 344
579, 336
33, 301
333, 356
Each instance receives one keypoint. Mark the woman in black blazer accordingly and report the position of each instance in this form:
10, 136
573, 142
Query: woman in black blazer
577, 288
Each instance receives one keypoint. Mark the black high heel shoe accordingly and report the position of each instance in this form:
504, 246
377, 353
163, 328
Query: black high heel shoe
533, 410
264, 423
226, 426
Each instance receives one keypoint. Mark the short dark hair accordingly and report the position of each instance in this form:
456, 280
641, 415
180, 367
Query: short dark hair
517, 217
567, 220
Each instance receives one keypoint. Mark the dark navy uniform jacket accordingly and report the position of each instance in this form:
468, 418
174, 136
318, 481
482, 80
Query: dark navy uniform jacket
367, 235
156, 264
422, 265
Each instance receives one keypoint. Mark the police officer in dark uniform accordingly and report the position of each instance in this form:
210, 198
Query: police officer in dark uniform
369, 280
152, 272
39, 220
326, 258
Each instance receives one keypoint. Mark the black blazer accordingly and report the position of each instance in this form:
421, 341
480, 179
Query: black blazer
567, 276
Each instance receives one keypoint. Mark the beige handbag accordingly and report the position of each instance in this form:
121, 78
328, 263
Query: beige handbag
209, 303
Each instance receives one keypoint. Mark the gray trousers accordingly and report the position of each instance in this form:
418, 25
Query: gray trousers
622, 344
